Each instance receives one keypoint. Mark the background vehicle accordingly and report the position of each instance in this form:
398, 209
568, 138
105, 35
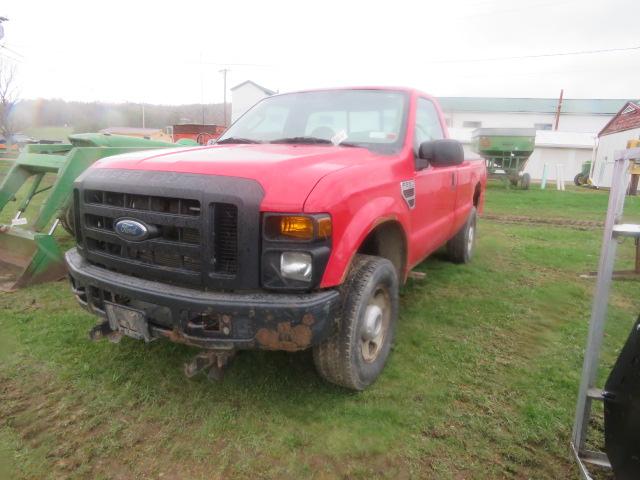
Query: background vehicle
294, 231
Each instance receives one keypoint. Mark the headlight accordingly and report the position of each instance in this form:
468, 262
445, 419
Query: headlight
296, 266
295, 250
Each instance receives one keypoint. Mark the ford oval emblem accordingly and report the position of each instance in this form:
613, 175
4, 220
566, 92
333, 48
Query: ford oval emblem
132, 230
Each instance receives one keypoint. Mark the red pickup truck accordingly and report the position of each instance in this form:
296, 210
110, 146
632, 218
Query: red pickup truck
294, 231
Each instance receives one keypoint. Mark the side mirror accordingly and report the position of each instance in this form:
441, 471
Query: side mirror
440, 153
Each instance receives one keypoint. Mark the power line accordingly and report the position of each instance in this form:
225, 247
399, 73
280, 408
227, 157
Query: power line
473, 60
12, 51
9, 56
542, 55
235, 64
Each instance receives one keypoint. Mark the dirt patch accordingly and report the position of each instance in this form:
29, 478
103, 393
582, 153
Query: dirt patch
556, 222
44, 417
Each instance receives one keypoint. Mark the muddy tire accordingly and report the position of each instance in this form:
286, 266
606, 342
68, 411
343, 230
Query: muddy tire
67, 221
525, 181
579, 180
354, 356
460, 248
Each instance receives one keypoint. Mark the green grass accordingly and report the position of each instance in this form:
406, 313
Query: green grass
481, 383
577, 203
49, 133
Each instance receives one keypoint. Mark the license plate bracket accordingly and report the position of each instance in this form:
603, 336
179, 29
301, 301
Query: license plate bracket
131, 322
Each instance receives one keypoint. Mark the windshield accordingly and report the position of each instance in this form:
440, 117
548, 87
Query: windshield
374, 119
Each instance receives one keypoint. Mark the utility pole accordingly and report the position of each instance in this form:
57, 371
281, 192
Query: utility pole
202, 86
224, 76
559, 109
2, 19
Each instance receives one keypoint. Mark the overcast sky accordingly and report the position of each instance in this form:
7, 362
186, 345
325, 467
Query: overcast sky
142, 51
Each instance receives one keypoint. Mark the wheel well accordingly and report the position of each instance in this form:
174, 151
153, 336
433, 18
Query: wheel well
476, 195
388, 241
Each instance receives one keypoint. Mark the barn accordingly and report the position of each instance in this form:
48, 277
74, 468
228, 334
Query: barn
624, 126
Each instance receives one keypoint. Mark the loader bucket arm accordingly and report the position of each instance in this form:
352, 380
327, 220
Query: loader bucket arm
28, 251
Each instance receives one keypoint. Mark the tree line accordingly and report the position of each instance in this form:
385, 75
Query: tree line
93, 116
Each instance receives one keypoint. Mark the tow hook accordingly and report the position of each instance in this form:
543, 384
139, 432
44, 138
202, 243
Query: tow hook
212, 361
103, 330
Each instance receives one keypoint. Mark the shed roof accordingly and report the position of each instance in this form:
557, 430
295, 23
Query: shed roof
627, 118
578, 106
251, 82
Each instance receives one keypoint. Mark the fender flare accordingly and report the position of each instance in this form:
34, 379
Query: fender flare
368, 217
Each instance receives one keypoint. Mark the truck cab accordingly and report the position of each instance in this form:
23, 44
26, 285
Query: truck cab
294, 231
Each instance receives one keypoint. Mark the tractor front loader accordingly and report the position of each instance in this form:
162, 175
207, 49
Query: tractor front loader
29, 253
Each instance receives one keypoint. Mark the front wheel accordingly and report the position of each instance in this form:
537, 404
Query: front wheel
460, 248
356, 353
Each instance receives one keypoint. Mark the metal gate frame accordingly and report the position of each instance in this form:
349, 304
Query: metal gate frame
588, 392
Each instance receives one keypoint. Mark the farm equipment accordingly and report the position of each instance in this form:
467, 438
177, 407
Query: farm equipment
506, 152
582, 178
201, 133
28, 251
8, 151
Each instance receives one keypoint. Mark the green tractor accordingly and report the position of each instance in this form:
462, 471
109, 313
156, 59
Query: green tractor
506, 152
29, 253
582, 178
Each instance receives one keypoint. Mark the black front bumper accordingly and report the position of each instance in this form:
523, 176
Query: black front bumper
214, 320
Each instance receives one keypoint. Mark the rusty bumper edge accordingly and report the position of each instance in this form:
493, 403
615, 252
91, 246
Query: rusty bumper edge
265, 320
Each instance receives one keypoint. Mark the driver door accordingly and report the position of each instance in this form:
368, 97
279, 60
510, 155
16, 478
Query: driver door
432, 217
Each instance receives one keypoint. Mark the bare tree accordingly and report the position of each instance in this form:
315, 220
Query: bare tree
8, 98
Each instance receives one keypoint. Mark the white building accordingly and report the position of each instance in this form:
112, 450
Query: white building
614, 136
244, 96
570, 146
577, 115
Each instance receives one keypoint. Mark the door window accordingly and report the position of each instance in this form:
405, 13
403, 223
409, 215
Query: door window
427, 124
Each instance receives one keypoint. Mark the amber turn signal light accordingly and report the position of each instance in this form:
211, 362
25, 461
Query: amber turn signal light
324, 228
298, 227
289, 226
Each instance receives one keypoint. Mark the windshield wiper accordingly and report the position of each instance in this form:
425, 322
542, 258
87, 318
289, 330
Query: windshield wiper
311, 141
237, 140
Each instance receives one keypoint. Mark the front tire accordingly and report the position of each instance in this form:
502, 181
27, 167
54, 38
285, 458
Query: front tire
355, 355
460, 248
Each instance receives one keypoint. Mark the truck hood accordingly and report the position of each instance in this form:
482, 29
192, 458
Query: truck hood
287, 173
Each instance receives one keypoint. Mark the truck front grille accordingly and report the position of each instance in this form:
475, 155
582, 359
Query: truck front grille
176, 248
225, 228
151, 203
204, 229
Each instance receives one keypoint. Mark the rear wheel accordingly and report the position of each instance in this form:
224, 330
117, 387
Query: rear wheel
460, 248
356, 353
